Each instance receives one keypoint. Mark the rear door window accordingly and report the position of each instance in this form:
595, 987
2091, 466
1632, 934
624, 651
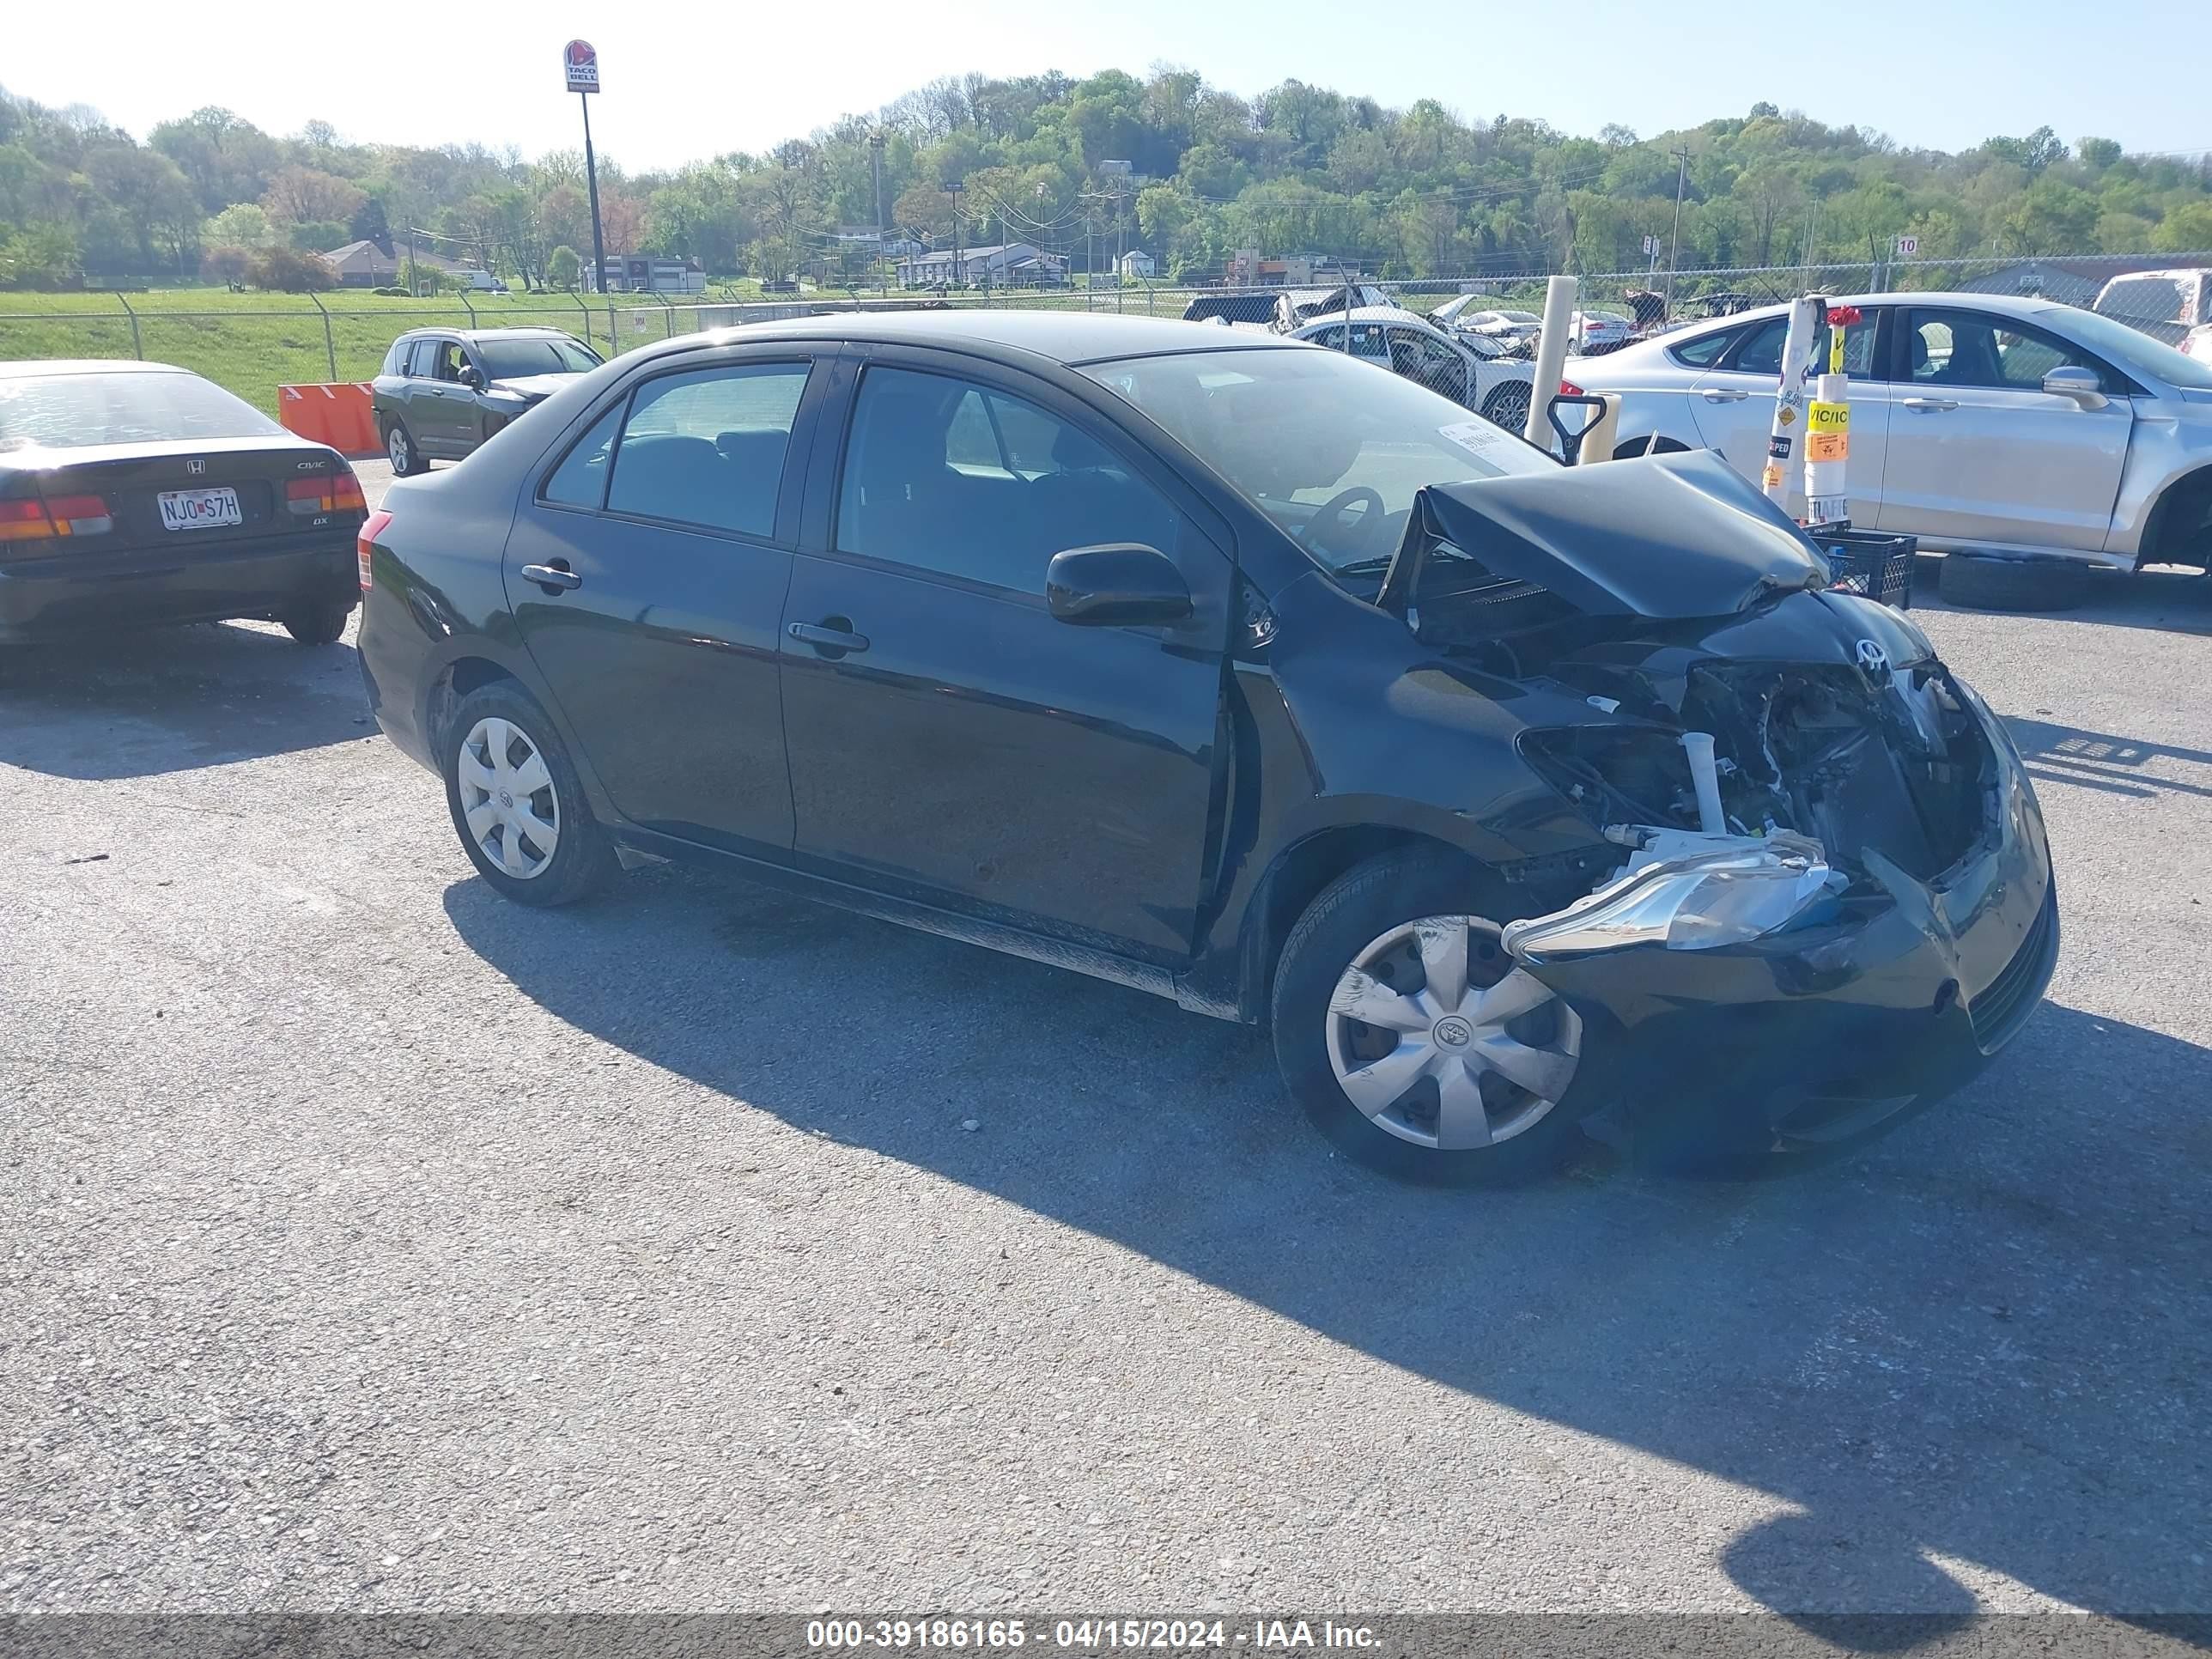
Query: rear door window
1761, 350
707, 448
581, 480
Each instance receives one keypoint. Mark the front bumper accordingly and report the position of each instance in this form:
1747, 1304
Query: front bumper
81, 593
1805, 1037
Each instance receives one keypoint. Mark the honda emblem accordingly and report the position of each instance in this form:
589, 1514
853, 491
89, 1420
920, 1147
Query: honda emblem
196, 467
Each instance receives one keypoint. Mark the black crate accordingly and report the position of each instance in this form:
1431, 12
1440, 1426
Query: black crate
1867, 563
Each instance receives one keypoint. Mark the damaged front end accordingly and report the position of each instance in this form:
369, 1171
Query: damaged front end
1833, 897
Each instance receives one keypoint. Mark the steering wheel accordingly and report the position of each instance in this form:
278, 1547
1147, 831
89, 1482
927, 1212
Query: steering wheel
1364, 531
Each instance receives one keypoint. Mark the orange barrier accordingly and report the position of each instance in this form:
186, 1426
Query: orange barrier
338, 415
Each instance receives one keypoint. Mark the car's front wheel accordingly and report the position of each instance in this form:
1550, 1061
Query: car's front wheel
517, 803
399, 449
1507, 406
1412, 1041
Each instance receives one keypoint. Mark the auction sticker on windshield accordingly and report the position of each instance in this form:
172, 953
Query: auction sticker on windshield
1476, 435
199, 509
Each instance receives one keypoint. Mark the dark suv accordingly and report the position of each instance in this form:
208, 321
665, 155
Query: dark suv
443, 391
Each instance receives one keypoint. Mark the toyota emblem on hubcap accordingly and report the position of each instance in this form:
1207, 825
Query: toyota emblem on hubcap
506, 801
1454, 1032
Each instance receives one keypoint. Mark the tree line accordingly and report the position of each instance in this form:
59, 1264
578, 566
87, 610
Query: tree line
1167, 162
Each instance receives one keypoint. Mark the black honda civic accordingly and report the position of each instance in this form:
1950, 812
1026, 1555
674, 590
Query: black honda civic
136, 494
1240, 671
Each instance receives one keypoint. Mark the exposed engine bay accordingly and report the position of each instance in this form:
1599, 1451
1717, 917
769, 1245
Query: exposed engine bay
1769, 746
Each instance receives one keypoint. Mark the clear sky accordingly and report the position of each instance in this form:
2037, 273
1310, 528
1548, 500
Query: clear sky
689, 82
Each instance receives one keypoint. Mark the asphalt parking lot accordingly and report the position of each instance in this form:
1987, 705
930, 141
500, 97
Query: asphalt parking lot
373, 1243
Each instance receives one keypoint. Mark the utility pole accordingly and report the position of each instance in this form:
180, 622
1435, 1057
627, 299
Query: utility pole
580, 61
1674, 241
959, 262
876, 160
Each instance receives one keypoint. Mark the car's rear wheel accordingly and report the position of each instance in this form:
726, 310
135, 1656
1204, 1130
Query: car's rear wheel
317, 624
1987, 584
1507, 406
517, 803
399, 449
1410, 1037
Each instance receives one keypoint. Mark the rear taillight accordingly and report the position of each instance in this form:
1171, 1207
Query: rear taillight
334, 492
1569, 389
362, 544
58, 515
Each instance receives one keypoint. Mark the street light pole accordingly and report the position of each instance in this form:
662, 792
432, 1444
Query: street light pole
598, 240
876, 161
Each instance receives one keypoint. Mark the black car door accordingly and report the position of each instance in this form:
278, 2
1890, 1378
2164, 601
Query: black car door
950, 741
647, 572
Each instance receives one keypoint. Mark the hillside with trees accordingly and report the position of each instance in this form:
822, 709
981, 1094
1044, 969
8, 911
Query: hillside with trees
1416, 192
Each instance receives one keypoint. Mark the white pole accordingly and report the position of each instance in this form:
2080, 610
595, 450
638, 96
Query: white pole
1789, 426
1828, 431
1551, 360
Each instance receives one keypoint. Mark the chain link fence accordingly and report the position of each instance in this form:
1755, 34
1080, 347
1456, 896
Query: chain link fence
262, 342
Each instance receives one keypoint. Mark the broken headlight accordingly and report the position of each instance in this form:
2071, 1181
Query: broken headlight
1690, 904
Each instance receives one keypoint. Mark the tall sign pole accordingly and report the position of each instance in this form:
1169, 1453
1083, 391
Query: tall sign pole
580, 61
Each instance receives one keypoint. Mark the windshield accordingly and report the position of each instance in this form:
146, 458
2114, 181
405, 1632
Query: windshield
2132, 349
546, 354
74, 412
1333, 449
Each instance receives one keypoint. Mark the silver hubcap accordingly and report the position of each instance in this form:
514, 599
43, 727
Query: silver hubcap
1440, 1040
397, 444
508, 799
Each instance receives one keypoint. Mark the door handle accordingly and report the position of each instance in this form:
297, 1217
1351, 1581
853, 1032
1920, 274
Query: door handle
1931, 403
1721, 394
554, 577
832, 636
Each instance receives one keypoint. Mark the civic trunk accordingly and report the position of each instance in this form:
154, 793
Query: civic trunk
219, 493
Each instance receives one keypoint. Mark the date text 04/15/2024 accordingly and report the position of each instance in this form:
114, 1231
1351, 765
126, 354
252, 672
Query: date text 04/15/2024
1006, 1635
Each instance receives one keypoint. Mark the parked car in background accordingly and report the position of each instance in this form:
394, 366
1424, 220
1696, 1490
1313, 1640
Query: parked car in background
443, 391
1217, 665
136, 494
2038, 440
1474, 373
1594, 333
1466, 315
2166, 304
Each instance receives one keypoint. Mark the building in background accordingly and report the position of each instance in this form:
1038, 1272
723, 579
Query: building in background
649, 273
372, 264
1137, 265
1003, 265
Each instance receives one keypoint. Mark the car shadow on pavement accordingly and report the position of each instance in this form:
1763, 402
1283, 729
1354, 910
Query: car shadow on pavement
2112, 765
2167, 599
173, 700
1981, 1340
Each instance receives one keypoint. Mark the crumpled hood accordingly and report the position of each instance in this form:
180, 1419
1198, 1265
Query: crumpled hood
535, 387
1665, 536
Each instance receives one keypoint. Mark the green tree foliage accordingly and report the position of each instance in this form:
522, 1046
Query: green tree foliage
291, 271
563, 269
1301, 168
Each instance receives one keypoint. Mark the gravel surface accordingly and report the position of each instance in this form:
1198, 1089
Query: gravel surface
373, 1243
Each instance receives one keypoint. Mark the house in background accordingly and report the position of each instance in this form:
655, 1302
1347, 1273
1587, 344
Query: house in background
647, 273
1137, 264
374, 264
1003, 265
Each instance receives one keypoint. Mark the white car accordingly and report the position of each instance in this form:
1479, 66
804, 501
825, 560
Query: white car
2167, 305
2041, 437
1466, 315
1475, 373
1594, 333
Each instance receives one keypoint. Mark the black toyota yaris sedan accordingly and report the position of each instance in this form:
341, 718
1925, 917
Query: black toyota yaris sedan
1240, 671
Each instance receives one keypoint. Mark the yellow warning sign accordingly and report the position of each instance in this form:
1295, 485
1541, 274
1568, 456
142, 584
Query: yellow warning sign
1828, 417
1827, 446
1786, 414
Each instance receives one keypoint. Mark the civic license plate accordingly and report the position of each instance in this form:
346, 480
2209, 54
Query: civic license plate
199, 509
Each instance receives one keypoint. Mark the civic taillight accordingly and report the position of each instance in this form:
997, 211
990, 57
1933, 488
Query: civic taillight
370, 530
334, 492
1569, 389
57, 515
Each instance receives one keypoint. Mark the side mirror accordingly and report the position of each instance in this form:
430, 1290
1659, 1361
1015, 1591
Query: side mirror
1115, 584
2069, 381
472, 377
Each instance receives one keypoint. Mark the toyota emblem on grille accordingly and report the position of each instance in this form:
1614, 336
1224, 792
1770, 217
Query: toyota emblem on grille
196, 467
1872, 657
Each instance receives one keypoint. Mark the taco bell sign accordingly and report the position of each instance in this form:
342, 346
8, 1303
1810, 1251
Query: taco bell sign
581, 61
